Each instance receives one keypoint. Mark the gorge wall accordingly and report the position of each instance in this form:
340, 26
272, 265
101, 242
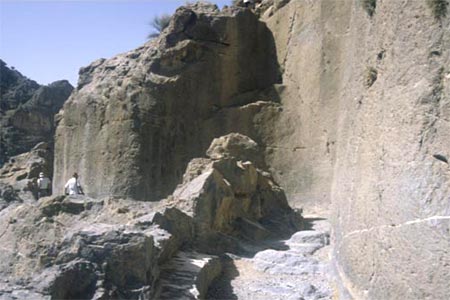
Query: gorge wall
367, 104
391, 187
351, 106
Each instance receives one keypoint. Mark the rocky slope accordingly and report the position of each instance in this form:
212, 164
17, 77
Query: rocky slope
27, 111
115, 248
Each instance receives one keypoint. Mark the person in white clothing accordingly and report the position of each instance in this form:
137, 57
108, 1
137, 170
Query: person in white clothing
73, 186
43, 184
248, 3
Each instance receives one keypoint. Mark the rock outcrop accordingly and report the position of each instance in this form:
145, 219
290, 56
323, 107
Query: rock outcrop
226, 195
16, 89
366, 100
349, 101
27, 112
18, 177
114, 248
135, 120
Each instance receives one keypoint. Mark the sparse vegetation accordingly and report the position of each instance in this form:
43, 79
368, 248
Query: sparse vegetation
438, 7
371, 76
369, 6
159, 23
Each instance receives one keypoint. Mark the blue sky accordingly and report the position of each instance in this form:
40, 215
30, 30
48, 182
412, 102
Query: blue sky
50, 40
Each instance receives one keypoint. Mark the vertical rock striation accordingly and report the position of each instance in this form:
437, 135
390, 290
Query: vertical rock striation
358, 120
367, 98
136, 119
309, 38
391, 186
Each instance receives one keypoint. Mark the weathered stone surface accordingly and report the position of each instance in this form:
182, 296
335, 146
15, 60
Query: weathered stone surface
376, 153
16, 89
188, 276
374, 149
79, 240
18, 177
27, 111
301, 147
166, 102
115, 248
286, 270
235, 145
232, 197
68, 204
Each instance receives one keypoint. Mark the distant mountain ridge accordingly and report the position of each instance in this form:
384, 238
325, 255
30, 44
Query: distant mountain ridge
27, 111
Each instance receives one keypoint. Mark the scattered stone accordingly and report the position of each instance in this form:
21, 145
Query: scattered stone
75, 204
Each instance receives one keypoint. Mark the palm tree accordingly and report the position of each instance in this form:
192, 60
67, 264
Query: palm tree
159, 23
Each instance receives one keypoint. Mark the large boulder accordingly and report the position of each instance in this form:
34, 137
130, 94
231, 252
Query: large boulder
238, 146
135, 120
226, 195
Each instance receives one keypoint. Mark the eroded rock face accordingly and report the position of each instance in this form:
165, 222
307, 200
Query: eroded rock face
115, 248
18, 177
228, 196
62, 240
236, 145
15, 89
27, 112
370, 119
136, 120
361, 127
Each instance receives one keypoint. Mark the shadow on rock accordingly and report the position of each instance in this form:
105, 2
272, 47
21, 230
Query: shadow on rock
309, 223
221, 287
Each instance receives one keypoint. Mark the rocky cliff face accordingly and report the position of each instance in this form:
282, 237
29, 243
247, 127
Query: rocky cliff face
391, 186
349, 100
27, 111
367, 99
136, 120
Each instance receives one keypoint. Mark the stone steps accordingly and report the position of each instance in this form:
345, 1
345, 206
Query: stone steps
300, 270
188, 276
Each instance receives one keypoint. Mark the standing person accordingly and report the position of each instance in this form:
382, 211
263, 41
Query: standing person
73, 186
43, 186
248, 3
